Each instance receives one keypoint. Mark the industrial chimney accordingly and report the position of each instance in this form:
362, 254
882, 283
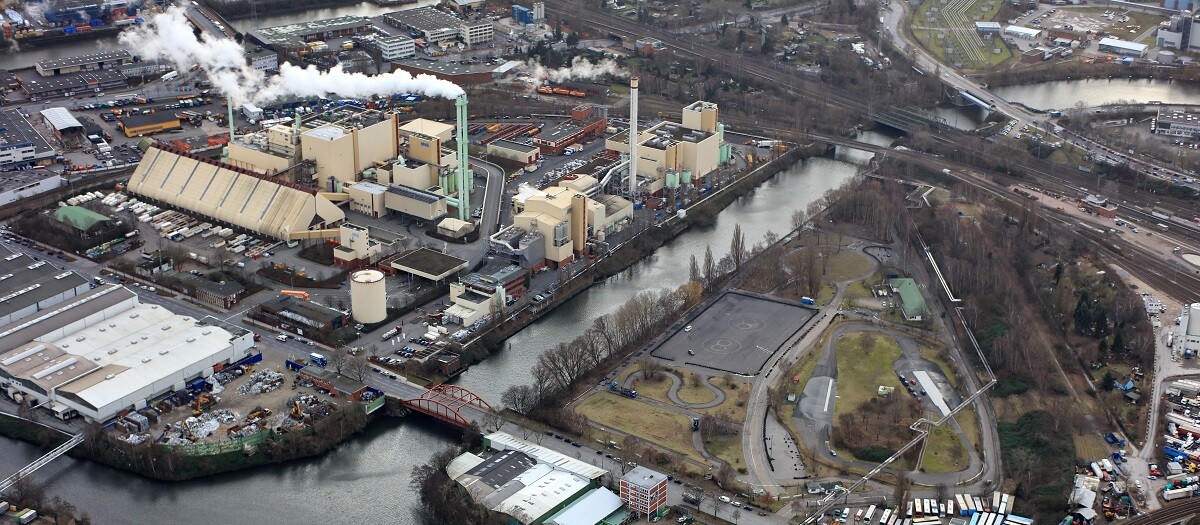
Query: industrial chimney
633, 126
578, 222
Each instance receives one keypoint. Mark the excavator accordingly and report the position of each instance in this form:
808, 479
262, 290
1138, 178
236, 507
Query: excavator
297, 413
203, 402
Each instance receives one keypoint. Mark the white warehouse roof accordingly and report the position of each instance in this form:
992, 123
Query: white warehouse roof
987, 26
1023, 31
590, 509
541, 496
60, 118
505, 441
1123, 44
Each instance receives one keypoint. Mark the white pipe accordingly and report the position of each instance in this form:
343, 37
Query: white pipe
633, 123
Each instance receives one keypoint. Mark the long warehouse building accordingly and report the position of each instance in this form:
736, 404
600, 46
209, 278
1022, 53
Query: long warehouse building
104, 352
233, 195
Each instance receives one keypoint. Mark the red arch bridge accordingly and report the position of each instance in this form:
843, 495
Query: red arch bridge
452, 404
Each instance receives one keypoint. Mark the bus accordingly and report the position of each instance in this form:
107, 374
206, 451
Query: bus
869, 515
169, 76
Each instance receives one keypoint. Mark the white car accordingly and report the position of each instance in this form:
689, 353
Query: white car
687, 328
724, 499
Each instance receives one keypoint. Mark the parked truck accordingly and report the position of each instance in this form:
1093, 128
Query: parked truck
1174, 494
617, 388
807, 300
318, 359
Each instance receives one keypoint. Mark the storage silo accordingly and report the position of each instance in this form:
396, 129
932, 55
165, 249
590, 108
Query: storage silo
1193, 324
368, 296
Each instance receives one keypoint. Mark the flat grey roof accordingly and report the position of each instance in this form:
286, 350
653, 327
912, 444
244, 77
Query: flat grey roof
445, 68
25, 282
502, 467
424, 19
515, 146
72, 81
60, 118
293, 32
415, 194
429, 261
15, 131
13, 180
137, 121
644, 477
91, 58
60, 315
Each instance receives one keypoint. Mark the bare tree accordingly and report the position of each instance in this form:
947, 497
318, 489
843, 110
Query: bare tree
340, 360
651, 368
519, 398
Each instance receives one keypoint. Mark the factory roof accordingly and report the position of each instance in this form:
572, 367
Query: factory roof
1174, 116
1022, 30
25, 282
78, 217
371, 188
589, 509
219, 289
501, 467
987, 26
425, 19
15, 131
60, 118
415, 194
327, 132
515, 146
1123, 44
293, 32
340, 382
540, 497
16, 180
72, 81
428, 263
644, 477
309, 310
6, 77
559, 132
258, 51
49, 320
137, 121
462, 464
139, 348
91, 58
424, 126
447, 67
505, 441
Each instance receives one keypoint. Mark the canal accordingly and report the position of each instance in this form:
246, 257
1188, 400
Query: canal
366, 480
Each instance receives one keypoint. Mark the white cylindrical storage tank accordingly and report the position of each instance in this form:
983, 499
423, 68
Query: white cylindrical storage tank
1193, 327
368, 296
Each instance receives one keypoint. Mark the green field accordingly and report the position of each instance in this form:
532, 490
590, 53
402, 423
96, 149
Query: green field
934, 31
845, 265
860, 373
944, 451
656, 425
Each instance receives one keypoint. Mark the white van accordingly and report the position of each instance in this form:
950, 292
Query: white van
281, 337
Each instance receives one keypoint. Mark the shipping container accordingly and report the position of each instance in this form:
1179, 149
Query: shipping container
238, 249
1174, 494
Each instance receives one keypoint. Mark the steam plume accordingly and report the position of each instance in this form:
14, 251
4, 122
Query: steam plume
580, 69
169, 36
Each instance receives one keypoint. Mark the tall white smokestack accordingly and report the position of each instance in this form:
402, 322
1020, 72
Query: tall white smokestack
633, 134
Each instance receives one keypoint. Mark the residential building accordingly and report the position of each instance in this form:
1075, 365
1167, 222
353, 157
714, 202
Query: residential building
645, 491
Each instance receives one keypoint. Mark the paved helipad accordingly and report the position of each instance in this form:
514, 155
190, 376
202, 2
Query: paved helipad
736, 334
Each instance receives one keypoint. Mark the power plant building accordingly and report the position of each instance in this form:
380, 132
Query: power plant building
554, 225
233, 195
104, 352
437, 27
671, 153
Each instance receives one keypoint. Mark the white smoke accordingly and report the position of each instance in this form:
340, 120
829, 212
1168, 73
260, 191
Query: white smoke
310, 82
580, 69
169, 36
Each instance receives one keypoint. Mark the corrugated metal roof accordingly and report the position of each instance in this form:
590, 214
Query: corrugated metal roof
589, 509
505, 441
60, 118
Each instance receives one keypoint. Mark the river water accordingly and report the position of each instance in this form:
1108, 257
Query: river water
366, 480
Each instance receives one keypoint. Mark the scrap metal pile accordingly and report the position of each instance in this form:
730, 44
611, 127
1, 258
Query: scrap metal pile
261, 382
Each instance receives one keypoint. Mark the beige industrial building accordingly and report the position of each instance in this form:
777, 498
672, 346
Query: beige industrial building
342, 151
667, 151
515, 151
355, 247
556, 223
233, 195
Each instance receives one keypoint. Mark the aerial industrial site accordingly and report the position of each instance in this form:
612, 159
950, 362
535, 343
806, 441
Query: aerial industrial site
561, 262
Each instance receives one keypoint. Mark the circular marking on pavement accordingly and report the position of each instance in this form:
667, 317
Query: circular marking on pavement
747, 324
721, 345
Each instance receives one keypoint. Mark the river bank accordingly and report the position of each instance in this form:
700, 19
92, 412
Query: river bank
1052, 72
168, 463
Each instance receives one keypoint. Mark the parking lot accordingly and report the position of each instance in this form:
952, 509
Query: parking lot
736, 334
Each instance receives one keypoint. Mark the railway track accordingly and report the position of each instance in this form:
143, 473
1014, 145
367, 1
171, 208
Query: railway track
1170, 513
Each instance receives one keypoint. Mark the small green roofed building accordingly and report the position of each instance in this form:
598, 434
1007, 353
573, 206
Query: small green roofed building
84, 222
912, 304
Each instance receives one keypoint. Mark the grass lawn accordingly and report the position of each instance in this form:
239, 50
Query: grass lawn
860, 373
656, 390
846, 264
944, 451
968, 420
693, 393
1091, 446
858, 290
734, 406
728, 448
666, 429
